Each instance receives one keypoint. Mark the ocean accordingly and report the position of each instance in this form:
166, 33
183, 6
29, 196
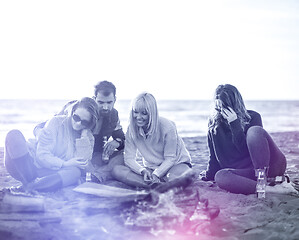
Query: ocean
190, 116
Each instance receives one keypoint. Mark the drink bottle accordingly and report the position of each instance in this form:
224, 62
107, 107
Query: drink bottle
105, 157
261, 182
88, 177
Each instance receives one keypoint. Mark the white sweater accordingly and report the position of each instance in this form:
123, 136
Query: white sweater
160, 154
57, 143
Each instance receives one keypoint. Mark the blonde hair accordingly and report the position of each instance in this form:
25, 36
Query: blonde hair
144, 102
230, 97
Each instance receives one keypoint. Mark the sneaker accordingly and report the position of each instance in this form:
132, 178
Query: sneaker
282, 188
278, 180
22, 191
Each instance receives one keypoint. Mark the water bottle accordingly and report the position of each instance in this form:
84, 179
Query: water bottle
88, 177
105, 156
261, 182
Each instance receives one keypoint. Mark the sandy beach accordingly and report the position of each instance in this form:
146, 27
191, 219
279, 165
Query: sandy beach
72, 215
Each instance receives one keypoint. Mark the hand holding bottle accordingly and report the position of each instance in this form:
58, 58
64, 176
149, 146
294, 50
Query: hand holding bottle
110, 147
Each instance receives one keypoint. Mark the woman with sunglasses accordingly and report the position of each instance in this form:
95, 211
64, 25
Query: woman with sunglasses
154, 141
54, 158
239, 146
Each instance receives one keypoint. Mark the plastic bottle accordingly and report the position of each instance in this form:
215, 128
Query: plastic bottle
105, 157
261, 182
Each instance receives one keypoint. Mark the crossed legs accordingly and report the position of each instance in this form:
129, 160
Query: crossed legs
263, 153
19, 164
126, 175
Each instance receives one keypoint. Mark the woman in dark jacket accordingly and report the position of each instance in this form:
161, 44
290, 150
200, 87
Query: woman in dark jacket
239, 145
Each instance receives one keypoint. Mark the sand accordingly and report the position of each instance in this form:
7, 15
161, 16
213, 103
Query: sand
71, 215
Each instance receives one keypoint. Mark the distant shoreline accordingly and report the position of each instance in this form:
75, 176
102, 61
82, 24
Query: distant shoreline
128, 99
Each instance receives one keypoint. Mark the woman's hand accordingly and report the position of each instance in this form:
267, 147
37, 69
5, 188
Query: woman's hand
229, 114
76, 162
155, 178
147, 176
84, 133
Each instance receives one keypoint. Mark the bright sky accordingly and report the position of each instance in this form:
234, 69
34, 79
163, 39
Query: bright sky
174, 49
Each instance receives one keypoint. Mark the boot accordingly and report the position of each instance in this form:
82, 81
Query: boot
18, 161
25, 168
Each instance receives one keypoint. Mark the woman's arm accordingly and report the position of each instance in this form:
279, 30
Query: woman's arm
213, 164
130, 154
171, 145
46, 144
239, 134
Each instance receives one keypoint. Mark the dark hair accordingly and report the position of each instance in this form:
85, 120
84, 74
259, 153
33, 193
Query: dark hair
91, 106
230, 97
105, 87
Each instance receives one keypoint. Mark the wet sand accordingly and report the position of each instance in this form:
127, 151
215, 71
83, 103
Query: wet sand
72, 215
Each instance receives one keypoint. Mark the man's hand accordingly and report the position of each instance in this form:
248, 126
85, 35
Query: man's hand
110, 147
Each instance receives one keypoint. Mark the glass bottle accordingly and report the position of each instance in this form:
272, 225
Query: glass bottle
105, 156
88, 177
261, 182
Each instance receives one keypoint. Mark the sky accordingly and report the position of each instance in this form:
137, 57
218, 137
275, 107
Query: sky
173, 49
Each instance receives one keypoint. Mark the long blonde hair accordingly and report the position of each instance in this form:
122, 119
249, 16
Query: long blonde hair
230, 97
144, 102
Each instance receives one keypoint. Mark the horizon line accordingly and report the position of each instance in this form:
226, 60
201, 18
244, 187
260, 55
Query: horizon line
127, 99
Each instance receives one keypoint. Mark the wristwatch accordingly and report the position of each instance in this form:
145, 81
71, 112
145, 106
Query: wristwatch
119, 141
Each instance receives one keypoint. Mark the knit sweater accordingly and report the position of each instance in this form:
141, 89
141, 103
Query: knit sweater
58, 142
108, 125
228, 147
159, 153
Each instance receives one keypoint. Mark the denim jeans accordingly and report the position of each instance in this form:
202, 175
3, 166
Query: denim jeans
263, 153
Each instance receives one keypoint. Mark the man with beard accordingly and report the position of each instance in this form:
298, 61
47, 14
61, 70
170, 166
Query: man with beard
108, 133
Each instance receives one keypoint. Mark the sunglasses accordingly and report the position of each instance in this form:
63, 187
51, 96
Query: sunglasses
84, 123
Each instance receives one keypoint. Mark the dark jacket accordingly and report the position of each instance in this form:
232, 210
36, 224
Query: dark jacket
228, 147
108, 126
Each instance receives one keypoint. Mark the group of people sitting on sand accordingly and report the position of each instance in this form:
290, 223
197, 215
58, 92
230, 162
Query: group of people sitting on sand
86, 136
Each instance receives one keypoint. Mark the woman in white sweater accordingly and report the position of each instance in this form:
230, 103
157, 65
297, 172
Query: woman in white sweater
54, 158
154, 152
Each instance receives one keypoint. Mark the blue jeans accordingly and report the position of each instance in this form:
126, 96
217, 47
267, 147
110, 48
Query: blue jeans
263, 153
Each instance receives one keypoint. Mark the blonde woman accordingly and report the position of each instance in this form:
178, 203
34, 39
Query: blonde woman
154, 152
55, 158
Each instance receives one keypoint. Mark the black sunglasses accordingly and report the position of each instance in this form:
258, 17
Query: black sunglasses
84, 123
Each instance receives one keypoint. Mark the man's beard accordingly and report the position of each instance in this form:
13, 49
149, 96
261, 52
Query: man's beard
105, 112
